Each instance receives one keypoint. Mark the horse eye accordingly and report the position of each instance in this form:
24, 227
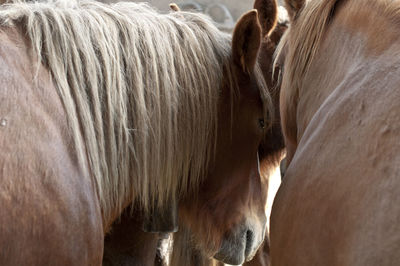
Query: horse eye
261, 123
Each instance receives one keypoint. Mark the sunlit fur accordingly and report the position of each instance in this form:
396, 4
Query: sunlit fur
140, 88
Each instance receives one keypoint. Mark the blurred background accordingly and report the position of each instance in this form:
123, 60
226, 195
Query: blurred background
224, 12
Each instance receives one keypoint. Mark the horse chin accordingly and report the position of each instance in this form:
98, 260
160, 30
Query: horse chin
240, 246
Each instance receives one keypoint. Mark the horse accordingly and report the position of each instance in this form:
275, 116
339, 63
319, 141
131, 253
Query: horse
271, 149
338, 203
110, 106
127, 244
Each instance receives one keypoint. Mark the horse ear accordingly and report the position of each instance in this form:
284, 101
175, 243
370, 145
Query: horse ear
293, 7
246, 41
267, 14
174, 7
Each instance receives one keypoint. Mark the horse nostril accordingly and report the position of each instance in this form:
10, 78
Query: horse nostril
249, 242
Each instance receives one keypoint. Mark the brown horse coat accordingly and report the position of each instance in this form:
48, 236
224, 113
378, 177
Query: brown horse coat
33, 125
339, 201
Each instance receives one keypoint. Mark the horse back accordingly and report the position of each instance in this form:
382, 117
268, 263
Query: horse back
49, 210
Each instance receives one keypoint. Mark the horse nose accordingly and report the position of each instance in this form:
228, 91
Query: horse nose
241, 244
249, 243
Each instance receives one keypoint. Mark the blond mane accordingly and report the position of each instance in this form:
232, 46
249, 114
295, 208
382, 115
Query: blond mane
140, 90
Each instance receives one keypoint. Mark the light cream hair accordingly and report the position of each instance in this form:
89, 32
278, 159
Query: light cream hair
140, 89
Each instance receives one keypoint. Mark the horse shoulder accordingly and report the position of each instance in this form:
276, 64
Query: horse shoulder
50, 212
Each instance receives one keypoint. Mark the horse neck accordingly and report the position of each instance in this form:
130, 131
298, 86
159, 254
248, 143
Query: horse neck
351, 41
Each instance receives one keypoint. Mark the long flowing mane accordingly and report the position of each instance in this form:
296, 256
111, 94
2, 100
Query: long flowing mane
140, 90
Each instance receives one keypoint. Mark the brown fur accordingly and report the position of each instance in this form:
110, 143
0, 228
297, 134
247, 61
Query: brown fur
338, 203
49, 212
242, 46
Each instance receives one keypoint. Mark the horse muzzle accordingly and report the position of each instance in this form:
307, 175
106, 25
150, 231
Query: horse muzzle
241, 245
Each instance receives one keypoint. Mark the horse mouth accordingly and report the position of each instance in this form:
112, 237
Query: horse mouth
239, 248
232, 259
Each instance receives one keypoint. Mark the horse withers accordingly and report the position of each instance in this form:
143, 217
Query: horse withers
338, 203
107, 106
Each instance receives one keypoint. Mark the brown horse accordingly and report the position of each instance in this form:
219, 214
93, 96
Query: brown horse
108, 106
127, 244
339, 201
271, 149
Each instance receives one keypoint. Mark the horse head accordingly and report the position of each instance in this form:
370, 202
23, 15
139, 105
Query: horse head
229, 212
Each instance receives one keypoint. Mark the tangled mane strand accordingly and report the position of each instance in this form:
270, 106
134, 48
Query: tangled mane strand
140, 90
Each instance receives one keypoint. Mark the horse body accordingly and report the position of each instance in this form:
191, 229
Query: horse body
337, 204
134, 108
49, 209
